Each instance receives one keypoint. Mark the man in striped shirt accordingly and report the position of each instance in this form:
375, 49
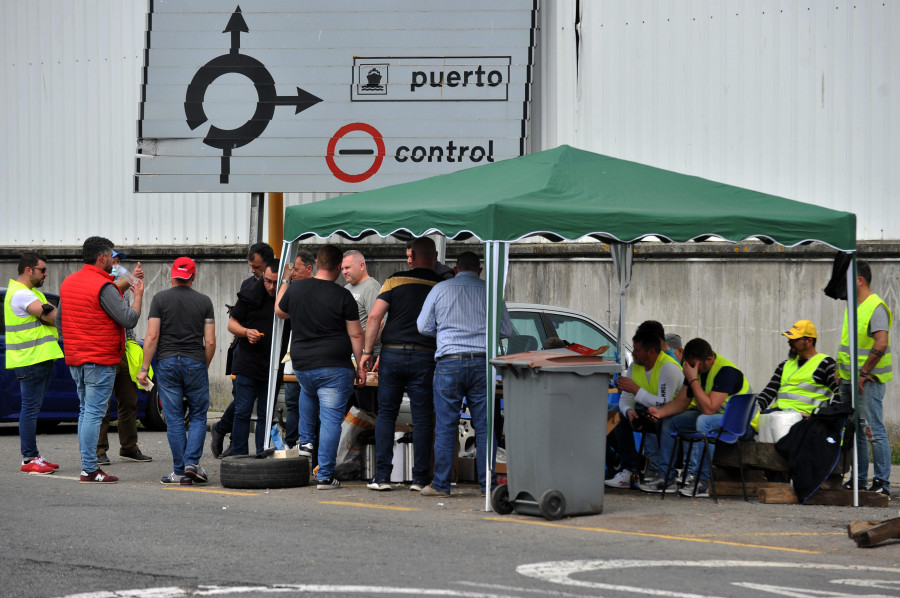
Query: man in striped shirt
806, 379
455, 312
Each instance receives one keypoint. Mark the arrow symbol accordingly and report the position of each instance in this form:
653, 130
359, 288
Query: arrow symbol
302, 100
236, 25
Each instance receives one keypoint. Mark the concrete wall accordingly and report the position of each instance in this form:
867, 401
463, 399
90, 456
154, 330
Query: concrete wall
738, 297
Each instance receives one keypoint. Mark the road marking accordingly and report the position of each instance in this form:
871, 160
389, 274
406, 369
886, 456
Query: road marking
210, 491
649, 535
560, 572
357, 504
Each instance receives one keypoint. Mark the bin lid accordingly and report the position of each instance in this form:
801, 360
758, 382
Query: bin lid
558, 360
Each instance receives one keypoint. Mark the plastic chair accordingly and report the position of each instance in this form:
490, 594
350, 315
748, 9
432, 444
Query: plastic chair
738, 413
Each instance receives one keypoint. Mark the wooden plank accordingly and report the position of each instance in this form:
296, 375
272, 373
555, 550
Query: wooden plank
728, 488
762, 455
844, 498
854, 528
878, 533
784, 495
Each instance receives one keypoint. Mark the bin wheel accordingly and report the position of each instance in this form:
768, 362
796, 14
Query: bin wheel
552, 505
500, 500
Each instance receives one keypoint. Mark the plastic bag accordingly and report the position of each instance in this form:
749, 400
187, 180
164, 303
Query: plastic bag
349, 461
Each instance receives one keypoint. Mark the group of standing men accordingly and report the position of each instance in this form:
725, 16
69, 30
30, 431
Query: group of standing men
96, 321
660, 396
422, 331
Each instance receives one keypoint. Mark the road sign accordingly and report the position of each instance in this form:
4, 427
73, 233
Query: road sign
382, 92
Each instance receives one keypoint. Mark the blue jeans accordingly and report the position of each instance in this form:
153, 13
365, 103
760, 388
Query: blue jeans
329, 389
94, 384
33, 382
685, 421
871, 407
292, 417
701, 423
248, 390
180, 378
454, 379
412, 371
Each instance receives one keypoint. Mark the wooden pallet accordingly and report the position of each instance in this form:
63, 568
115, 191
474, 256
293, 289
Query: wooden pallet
870, 533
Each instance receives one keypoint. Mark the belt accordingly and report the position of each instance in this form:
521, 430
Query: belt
408, 347
462, 356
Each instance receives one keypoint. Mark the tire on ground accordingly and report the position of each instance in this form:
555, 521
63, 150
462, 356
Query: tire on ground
246, 471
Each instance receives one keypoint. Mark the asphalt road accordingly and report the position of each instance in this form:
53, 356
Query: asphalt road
141, 539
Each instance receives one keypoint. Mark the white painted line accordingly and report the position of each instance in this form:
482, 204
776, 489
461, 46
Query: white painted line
560, 572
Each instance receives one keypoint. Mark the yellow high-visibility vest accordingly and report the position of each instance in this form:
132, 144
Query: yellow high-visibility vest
883, 369
28, 340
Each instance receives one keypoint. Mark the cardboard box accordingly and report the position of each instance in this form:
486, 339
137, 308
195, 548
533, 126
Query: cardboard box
292, 453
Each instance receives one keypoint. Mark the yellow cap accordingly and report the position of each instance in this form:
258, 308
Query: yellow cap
803, 328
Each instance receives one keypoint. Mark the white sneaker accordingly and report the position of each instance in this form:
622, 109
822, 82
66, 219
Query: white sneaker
620, 480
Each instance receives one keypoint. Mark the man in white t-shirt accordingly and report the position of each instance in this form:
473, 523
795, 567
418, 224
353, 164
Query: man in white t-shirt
31, 349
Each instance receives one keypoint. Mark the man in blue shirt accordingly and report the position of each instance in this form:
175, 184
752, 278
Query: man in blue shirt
454, 312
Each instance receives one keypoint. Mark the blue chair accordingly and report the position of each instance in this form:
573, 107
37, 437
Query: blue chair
738, 412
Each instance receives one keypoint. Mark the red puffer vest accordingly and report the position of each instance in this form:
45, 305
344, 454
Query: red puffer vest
89, 334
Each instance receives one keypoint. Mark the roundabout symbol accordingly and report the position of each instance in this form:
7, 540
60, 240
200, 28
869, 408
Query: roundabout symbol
267, 98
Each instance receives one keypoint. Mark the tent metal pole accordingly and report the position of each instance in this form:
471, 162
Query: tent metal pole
288, 251
854, 370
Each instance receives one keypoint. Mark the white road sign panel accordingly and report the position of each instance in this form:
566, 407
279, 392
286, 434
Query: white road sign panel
310, 95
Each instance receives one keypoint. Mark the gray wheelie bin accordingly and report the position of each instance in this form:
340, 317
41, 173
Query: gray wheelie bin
555, 406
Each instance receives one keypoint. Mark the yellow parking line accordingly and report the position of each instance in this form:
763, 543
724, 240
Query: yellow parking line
210, 491
647, 535
357, 504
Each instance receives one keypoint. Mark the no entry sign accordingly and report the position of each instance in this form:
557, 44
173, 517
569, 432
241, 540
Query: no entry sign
294, 95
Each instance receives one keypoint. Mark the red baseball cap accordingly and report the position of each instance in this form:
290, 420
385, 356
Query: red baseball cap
184, 268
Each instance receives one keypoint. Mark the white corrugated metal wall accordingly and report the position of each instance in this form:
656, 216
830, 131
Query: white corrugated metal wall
791, 98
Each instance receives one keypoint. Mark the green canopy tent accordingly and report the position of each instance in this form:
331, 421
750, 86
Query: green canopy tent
567, 194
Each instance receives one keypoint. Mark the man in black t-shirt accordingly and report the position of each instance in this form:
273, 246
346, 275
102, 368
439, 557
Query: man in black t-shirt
251, 322
326, 332
181, 330
406, 364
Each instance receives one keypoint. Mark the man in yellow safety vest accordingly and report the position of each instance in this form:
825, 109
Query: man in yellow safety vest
803, 382
31, 349
873, 321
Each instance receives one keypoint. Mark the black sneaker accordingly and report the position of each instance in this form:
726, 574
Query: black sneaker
329, 484
306, 449
880, 486
226, 452
136, 455
196, 473
217, 444
102, 459
848, 485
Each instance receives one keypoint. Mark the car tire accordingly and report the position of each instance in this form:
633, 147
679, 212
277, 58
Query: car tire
250, 472
153, 419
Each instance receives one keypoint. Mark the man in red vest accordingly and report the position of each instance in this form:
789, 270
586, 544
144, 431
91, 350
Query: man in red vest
93, 316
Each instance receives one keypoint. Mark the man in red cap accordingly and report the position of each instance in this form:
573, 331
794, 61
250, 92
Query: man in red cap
181, 327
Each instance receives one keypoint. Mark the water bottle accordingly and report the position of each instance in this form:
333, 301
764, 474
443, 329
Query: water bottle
120, 272
275, 433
